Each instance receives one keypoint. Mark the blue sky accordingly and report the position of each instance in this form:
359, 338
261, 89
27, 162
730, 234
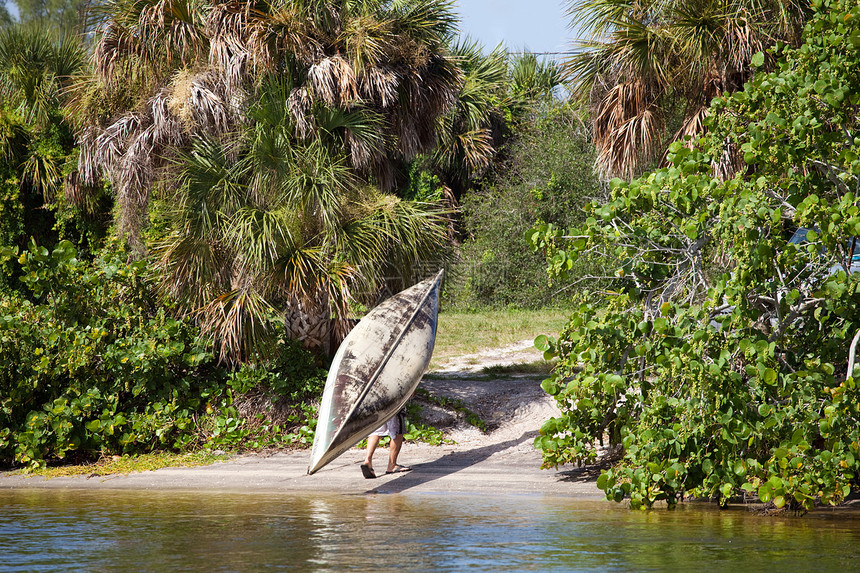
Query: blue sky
539, 25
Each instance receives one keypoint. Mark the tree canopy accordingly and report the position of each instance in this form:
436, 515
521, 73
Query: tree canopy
275, 131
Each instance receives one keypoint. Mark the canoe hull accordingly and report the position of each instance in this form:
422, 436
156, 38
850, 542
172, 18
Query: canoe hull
376, 370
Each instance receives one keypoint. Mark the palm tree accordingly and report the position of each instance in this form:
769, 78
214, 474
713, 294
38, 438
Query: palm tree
264, 224
498, 88
532, 80
467, 133
640, 62
35, 140
279, 208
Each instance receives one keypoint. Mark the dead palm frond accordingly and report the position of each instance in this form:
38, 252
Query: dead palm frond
333, 81
687, 51
631, 143
238, 322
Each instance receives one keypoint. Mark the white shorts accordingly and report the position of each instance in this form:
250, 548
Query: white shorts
394, 426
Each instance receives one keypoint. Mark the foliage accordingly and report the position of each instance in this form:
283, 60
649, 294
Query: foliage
55, 14
454, 404
88, 364
467, 140
267, 405
5, 16
641, 63
422, 432
418, 432
721, 360
276, 134
371, 77
36, 142
548, 176
90, 360
499, 90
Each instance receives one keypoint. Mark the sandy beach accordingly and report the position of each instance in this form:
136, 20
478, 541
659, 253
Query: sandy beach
434, 469
501, 461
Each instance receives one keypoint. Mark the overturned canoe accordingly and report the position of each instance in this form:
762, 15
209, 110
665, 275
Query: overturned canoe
376, 370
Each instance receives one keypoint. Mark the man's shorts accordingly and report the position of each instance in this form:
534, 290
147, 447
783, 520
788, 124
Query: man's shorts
394, 426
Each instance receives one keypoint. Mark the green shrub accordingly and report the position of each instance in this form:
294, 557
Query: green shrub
547, 177
734, 382
91, 361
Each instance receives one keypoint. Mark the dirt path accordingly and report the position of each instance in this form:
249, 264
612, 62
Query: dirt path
513, 406
501, 461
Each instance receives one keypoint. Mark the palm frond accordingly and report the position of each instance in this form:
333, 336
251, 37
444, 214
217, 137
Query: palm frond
626, 146
359, 130
597, 18
533, 78
333, 81
42, 173
379, 84
213, 186
238, 323
684, 51
263, 234
367, 40
193, 267
317, 183
426, 21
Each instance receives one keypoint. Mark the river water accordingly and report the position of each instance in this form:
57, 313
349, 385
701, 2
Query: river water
49, 530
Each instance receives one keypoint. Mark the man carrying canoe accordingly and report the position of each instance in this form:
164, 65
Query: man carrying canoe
395, 428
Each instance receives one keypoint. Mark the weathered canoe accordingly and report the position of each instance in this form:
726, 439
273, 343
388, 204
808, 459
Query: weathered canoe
376, 370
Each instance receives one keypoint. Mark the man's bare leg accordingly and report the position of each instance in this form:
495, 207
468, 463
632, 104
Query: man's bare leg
393, 451
372, 442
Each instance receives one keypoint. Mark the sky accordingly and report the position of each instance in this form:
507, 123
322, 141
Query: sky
539, 25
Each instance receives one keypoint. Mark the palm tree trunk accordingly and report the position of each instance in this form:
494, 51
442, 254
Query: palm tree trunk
312, 326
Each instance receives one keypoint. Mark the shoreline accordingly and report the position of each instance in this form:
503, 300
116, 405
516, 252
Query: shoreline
435, 469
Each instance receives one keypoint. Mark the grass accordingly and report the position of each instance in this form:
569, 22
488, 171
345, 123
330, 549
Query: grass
112, 465
542, 367
460, 333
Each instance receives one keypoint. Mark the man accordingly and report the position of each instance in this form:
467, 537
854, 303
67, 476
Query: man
395, 428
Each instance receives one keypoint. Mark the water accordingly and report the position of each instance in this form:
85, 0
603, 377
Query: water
167, 531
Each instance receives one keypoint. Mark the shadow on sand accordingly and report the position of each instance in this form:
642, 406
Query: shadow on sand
446, 465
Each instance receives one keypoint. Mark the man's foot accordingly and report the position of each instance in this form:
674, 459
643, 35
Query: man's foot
399, 470
367, 471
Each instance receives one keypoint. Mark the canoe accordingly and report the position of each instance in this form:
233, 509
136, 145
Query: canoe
376, 369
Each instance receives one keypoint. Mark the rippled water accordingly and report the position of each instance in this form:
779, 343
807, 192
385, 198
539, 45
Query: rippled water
163, 531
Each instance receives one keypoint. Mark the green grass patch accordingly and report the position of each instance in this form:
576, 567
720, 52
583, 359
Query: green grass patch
127, 464
460, 333
538, 367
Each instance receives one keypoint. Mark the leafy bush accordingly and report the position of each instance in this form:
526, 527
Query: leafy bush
721, 365
88, 361
548, 177
267, 405
91, 361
